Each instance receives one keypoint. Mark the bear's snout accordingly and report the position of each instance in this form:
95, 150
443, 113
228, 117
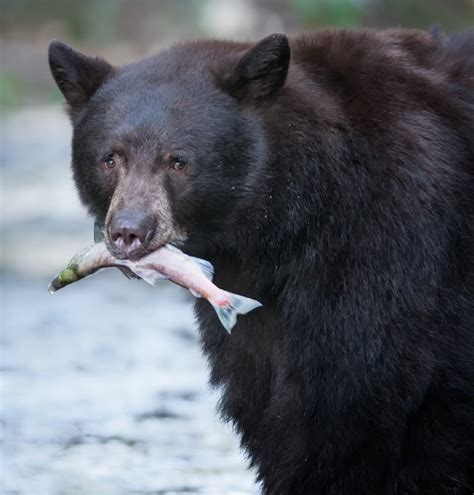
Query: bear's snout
130, 231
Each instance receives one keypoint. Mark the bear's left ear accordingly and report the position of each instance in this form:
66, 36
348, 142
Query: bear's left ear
77, 75
261, 71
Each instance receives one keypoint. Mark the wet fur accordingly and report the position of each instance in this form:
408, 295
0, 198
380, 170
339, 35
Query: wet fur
346, 207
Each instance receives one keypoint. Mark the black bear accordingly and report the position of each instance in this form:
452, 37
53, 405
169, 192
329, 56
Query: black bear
329, 176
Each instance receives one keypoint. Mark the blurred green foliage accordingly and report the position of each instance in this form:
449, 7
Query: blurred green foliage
104, 21
451, 15
81, 19
16, 91
330, 12
10, 90
99, 21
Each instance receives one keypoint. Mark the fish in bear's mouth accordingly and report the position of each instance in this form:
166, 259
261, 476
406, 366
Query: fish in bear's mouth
166, 262
99, 236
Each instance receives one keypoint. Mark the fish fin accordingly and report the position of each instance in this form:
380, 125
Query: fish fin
239, 305
128, 273
148, 275
205, 266
98, 232
194, 293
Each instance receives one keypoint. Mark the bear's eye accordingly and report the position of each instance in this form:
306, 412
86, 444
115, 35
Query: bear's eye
109, 161
178, 164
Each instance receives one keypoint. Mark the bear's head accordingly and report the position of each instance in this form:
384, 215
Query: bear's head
170, 148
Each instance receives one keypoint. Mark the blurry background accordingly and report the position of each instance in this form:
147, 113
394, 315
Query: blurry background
103, 387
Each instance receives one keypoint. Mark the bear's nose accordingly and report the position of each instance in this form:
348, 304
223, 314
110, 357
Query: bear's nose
131, 229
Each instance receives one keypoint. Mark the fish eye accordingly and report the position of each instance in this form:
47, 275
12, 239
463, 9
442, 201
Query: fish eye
178, 164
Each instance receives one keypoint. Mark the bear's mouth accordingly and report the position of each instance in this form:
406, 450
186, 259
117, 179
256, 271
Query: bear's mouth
176, 239
134, 255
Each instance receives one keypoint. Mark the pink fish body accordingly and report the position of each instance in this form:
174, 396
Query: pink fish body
167, 262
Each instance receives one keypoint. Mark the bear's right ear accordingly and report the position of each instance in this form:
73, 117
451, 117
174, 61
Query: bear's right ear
77, 75
261, 71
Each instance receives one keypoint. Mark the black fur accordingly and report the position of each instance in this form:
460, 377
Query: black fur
336, 188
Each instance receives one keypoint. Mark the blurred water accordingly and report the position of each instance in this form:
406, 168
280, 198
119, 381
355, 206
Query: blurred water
104, 390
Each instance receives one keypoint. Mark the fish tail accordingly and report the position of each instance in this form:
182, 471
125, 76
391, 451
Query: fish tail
238, 305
